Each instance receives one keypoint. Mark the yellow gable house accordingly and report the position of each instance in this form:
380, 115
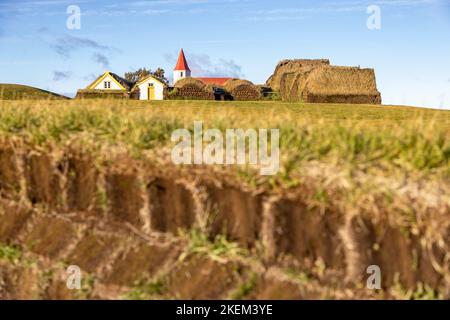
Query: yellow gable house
110, 84
110, 81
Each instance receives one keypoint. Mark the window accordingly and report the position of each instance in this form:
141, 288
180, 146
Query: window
181, 73
107, 85
150, 84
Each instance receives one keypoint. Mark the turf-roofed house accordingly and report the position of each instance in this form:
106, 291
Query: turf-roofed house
111, 85
297, 80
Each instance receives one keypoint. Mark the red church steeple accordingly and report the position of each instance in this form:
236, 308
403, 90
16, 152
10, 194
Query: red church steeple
182, 64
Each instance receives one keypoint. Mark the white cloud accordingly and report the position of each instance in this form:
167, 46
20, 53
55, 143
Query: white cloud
301, 12
101, 59
202, 65
67, 44
61, 75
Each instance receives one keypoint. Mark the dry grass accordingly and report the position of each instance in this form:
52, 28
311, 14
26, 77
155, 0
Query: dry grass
297, 66
192, 89
341, 81
315, 81
368, 184
189, 81
400, 138
101, 94
340, 85
242, 90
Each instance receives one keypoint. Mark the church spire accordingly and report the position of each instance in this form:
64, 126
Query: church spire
181, 70
182, 63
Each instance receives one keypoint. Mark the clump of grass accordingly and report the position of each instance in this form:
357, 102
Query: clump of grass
146, 290
45, 279
10, 253
245, 287
87, 287
218, 248
421, 292
299, 276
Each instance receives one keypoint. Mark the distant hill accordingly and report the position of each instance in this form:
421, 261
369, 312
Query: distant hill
21, 92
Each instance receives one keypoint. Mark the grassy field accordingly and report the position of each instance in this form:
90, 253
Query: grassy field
364, 137
18, 92
359, 185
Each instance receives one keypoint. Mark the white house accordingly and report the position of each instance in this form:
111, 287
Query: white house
150, 88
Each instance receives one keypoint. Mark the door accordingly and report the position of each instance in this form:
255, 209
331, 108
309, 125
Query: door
151, 91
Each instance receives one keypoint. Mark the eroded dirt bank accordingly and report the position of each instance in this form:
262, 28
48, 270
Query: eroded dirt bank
141, 228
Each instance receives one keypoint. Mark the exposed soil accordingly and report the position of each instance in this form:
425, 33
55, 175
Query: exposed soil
124, 223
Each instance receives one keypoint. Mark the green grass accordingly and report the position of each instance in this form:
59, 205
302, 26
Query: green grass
21, 92
360, 137
245, 288
395, 161
146, 290
10, 253
218, 248
421, 292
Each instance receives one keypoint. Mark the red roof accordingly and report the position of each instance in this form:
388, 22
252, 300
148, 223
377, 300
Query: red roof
181, 63
217, 81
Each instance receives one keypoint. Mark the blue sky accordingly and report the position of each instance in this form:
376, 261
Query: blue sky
245, 38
